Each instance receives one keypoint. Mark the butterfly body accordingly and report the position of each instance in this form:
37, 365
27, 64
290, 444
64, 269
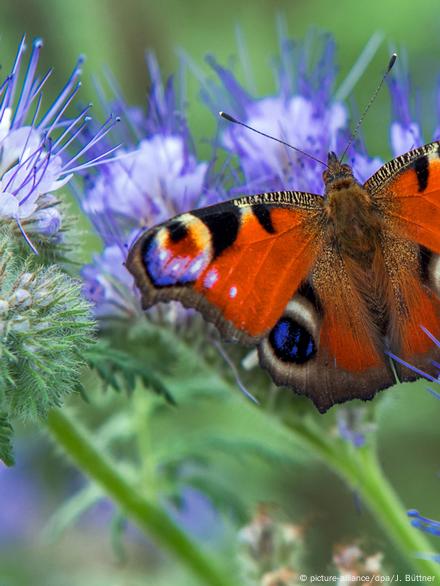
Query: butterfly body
325, 287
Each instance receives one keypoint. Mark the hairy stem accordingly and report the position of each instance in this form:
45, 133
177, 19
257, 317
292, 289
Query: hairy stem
78, 445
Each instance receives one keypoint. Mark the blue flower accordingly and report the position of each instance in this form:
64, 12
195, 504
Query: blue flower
22, 499
302, 112
157, 175
109, 286
428, 526
424, 523
34, 162
406, 133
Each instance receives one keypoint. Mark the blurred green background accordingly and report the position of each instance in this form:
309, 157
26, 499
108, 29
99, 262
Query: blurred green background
116, 34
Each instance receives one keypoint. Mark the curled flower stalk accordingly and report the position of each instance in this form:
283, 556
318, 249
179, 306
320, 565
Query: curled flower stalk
46, 326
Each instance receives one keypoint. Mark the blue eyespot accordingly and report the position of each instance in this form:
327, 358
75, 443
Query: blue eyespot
291, 342
166, 270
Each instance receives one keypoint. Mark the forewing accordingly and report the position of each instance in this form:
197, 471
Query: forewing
407, 192
238, 263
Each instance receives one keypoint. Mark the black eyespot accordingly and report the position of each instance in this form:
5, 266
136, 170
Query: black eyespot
291, 342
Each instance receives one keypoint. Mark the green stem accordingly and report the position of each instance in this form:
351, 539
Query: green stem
384, 502
78, 445
360, 468
143, 407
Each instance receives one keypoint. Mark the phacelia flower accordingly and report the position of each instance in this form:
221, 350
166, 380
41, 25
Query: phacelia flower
45, 328
22, 498
302, 112
157, 176
34, 141
406, 132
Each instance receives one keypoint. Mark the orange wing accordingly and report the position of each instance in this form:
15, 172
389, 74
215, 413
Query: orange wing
407, 191
239, 263
262, 269
331, 314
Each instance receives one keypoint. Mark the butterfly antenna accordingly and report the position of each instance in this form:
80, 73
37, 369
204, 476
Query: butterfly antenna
230, 118
368, 106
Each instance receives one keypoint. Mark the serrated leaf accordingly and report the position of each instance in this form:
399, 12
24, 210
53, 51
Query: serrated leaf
119, 370
6, 432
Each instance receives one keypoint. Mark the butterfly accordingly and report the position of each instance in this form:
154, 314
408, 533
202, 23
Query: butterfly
326, 287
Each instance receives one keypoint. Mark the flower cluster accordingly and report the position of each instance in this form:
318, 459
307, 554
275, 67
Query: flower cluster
45, 323
157, 176
44, 329
34, 160
303, 112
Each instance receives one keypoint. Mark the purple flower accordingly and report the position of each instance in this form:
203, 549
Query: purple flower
406, 133
303, 112
196, 514
33, 146
21, 498
156, 176
109, 285
158, 179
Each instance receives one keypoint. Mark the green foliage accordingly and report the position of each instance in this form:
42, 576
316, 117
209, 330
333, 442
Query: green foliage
199, 442
5, 440
45, 328
119, 370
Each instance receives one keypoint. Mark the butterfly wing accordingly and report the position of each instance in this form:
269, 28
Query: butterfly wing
407, 189
325, 344
239, 262
263, 271
407, 192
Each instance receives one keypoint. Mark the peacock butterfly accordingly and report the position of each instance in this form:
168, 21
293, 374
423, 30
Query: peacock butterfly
326, 287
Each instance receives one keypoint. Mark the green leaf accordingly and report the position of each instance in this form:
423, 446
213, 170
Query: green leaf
6, 440
120, 370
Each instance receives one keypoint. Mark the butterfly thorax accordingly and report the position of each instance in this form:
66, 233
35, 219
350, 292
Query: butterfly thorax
353, 222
